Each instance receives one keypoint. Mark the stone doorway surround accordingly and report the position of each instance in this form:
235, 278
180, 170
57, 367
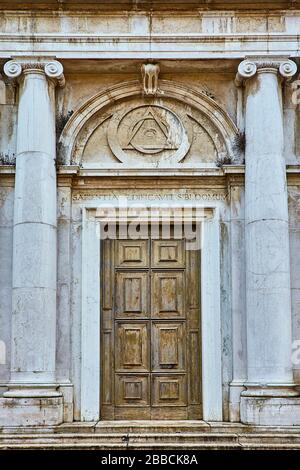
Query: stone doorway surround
210, 321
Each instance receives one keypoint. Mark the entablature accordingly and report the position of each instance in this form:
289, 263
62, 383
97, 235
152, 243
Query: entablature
162, 33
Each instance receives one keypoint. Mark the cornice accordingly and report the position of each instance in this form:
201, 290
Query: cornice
72, 176
204, 12
76, 170
147, 5
162, 172
211, 177
7, 176
155, 37
7, 170
161, 46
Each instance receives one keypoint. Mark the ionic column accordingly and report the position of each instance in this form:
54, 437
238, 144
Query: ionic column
269, 384
34, 233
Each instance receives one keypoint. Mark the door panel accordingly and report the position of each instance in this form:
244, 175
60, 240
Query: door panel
169, 390
132, 295
131, 390
167, 254
150, 330
168, 346
132, 347
167, 294
132, 254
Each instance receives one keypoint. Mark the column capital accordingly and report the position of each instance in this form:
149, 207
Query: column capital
249, 67
53, 69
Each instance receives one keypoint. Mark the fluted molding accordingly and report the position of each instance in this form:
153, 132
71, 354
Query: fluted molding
53, 69
150, 73
248, 68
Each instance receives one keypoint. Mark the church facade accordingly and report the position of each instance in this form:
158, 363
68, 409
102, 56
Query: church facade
150, 214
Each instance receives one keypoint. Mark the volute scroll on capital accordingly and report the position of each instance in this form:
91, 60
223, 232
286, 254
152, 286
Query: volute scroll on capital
53, 69
248, 68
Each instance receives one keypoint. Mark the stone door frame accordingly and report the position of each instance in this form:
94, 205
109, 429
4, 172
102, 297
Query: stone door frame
210, 316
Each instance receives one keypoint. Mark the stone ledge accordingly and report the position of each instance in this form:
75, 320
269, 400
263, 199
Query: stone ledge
75, 170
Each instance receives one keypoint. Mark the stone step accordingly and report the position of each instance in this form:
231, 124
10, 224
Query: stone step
125, 427
116, 441
151, 441
117, 438
275, 439
146, 427
149, 426
114, 446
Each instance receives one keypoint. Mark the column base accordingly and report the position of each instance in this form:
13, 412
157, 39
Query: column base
277, 405
31, 405
235, 390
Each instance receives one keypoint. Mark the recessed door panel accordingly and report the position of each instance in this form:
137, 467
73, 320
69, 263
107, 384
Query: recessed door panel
132, 254
168, 346
169, 390
132, 346
132, 295
167, 254
167, 294
132, 391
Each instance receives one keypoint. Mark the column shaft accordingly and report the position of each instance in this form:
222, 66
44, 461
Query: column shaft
34, 253
267, 238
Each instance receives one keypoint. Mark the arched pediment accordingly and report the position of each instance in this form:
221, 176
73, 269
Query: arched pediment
119, 127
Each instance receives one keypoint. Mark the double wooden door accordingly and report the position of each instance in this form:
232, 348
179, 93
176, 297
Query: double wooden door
150, 330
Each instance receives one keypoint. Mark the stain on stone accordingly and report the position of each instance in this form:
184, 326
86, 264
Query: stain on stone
61, 121
227, 160
7, 158
239, 143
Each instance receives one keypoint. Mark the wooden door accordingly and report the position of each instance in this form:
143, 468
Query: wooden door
150, 345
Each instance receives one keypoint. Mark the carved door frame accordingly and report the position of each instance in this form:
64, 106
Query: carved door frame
210, 318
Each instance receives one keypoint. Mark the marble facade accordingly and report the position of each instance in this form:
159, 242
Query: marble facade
188, 108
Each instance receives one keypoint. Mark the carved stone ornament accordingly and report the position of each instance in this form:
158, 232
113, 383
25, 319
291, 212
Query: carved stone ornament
148, 132
53, 69
150, 74
249, 67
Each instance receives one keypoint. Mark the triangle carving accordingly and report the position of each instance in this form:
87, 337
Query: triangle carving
150, 134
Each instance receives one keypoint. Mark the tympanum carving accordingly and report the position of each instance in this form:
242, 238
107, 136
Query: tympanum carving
149, 132
123, 128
